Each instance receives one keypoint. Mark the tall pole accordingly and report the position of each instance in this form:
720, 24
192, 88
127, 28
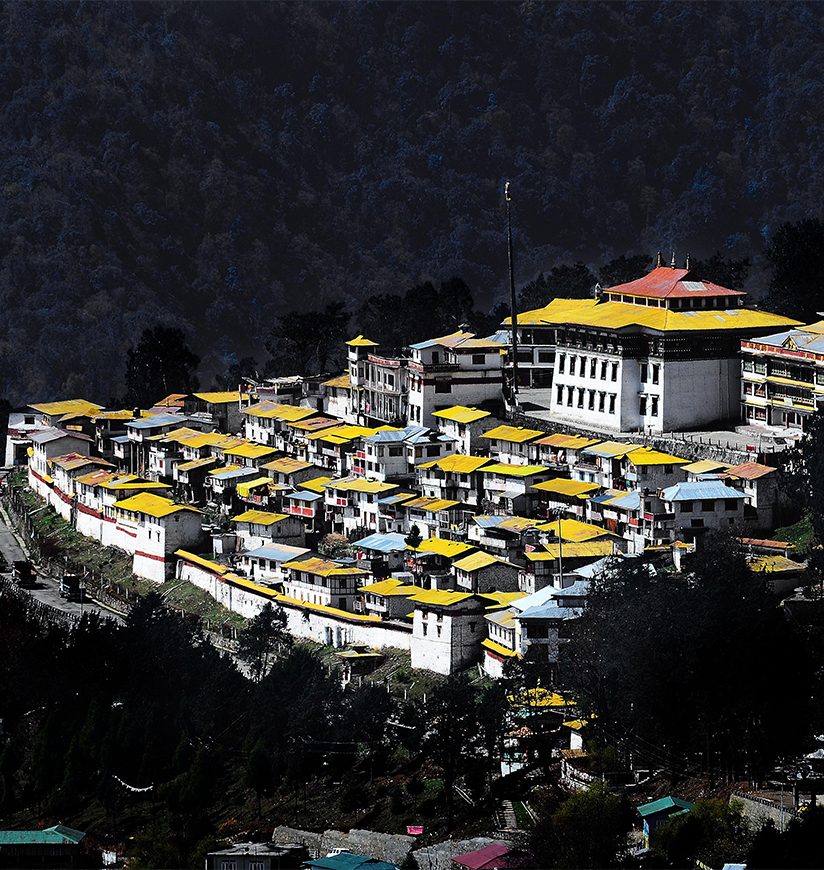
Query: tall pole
512, 308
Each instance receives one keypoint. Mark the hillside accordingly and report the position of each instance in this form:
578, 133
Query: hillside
214, 165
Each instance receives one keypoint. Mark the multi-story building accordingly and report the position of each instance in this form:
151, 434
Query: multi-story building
439, 373
782, 381
657, 354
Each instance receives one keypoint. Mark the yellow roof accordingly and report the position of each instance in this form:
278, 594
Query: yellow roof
132, 482
259, 518
476, 561
361, 484
512, 524
197, 463
67, 406
250, 450
244, 488
705, 466
443, 547
221, 398
176, 435
500, 649
648, 456
440, 597
620, 315
204, 563
458, 463
316, 484
574, 530
502, 599
348, 432
461, 414
152, 505
538, 697
341, 381
274, 411
360, 341
514, 434
570, 442
773, 564
594, 549
508, 470
323, 568
565, 486
207, 439
390, 586
314, 424
286, 465
431, 504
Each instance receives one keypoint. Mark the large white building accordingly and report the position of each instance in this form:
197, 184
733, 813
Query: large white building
653, 355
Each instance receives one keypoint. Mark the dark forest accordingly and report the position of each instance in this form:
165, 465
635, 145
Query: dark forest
215, 166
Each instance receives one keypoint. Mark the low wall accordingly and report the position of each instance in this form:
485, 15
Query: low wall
301, 621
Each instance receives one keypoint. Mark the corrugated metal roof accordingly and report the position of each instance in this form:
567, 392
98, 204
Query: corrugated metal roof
514, 434
276, 553
389, 542
699, 490
461, 414
152, 505
57, 835
259, 518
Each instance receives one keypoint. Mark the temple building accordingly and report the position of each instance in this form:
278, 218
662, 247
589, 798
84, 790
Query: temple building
782, 379
657, 354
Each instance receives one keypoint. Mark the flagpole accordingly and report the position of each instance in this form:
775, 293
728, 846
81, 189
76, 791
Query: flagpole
512, 308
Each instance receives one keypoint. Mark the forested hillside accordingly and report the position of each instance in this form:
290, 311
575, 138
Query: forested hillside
213, 166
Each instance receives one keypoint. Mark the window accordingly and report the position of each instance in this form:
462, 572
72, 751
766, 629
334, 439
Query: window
591, 400
472, 628
434, 450
603, 371
655, 406
435, 357
561, 363
572, 359
612, 403
560, 394
643, 373
613, 375
686, 507
438, 630
395, 451
601, 400
582, 369
228, 865
655, 370
443, 386
730, 504
569, 397
257, 865
593, 367
708, 505
478, 359
544, 356
580, 398
425, 629
642, 406
696, 524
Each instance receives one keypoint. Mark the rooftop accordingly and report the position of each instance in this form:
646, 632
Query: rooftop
152, 505
665, 282
461, 414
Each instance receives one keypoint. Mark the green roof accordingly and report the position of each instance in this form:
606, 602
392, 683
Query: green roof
662, 805
56, 835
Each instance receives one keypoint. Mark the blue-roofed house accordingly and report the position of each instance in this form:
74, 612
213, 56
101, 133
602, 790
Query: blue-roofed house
656, 813
262, 564
393, 455
381, 553
692, 507
543, 616
307, 505
56, 847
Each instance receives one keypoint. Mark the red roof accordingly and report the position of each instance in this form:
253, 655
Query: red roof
748, 471
664, 282
495, 855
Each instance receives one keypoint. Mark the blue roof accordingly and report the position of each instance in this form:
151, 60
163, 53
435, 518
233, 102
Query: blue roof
697, 490
811, 342
535, 599
349, 861
157, 420
492, 521
663, 805
390, 542
275, 553
237, 472
390, 437
304, 496
55, 835
422, 345
629, 502
579, 587
550, 610
121, 439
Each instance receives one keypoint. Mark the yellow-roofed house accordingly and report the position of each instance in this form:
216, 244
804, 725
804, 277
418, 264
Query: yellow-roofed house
509, 487
646, 468
455, 477
466, 426
152, 528
223, 408
483, 572
353, 503
323, 581
511, 443
447, 630
260, 528
657, 354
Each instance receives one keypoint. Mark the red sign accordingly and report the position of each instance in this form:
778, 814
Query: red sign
414, 829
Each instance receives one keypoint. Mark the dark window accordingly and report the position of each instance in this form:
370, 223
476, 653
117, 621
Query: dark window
643, 373
561, 363
443, 386
478, 359
686, 507
642, 406
708, 505
730, 504
434, 450
696, 524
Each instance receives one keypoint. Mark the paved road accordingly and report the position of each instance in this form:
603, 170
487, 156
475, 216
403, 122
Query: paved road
47, 588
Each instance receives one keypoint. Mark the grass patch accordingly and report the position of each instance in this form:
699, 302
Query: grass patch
800, 534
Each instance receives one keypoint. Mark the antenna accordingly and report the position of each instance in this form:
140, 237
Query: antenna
512, 308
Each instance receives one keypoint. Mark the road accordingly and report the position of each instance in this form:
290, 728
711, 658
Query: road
47, 589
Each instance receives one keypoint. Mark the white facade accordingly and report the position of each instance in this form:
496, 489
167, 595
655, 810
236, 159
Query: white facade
446, 639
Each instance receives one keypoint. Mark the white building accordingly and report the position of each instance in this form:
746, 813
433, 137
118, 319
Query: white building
701, 505
48, 444
256, 528
447, 630
322, 581
657, 354
466, 426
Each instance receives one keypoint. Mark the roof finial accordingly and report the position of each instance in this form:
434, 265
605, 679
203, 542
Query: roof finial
658, 262
687, 264
672, 262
